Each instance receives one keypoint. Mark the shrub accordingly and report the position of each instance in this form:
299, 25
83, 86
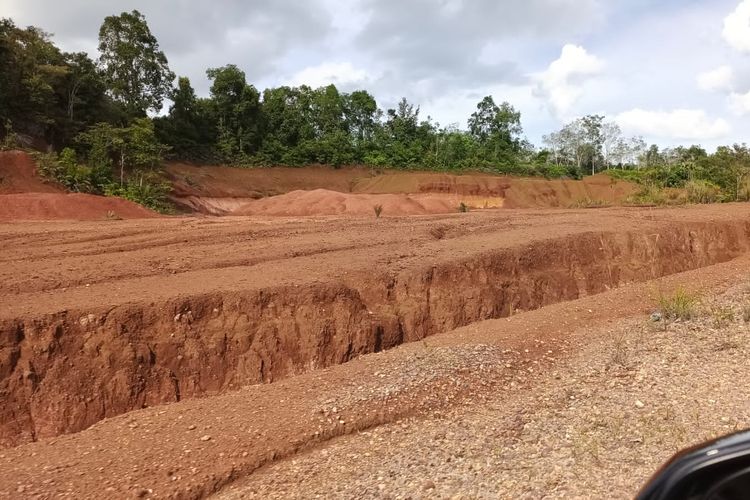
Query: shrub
589, 203
378, 210
463, 207
701, 191
147, 189
680, 305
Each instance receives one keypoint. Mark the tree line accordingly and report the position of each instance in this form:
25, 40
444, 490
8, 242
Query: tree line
105, 124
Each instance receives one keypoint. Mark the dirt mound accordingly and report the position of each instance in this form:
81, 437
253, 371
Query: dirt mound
221, 190
325, 202
18, 175
77, 206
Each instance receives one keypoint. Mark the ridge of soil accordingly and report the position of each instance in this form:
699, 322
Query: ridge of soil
69, 206
138, 313
219, 190
193, 448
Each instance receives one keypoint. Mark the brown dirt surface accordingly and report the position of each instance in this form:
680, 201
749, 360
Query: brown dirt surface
218, 190
72, 206
18, 175
103, 322
325, 202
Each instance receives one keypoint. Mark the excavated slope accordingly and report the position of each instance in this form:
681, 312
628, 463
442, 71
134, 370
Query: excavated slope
114, 317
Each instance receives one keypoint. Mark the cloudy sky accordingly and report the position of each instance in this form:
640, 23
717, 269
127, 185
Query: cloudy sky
674, 71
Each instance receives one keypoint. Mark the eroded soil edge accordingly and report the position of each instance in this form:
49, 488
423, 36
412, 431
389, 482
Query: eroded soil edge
63, 372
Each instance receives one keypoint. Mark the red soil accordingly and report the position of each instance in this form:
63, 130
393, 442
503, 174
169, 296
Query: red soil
325, 202
223, 190
18, 175
76, 206
101, 319
25, 196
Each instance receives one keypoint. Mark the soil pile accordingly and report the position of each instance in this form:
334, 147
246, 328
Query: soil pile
325, 202
77, 206
18, 175
224, 190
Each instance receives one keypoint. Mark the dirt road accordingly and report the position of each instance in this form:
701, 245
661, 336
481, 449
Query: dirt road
99, 319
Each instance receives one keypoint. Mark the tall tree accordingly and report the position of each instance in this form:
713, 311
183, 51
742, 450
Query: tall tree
238, 110
136, 71
497, 129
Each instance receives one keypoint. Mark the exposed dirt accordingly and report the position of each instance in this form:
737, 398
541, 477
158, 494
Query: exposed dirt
192, 448
325, 202
71, 206
18, 175
221, 190
595, 424
102, 318
25, 196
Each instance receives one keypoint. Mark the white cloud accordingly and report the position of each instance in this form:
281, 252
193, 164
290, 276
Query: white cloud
337, 73
737, 27
561, 85
720, 79
680, 124
739, 104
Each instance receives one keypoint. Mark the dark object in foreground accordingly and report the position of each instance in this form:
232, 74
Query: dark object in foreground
716, 470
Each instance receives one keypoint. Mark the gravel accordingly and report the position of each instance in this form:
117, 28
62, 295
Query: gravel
596, 424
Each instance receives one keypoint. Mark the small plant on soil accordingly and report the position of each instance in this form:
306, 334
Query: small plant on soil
722, 315
378, 210
680, 305
463, 207
590, 203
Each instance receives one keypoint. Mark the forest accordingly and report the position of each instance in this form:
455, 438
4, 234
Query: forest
106, 125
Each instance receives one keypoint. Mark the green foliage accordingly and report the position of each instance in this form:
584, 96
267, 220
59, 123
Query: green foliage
146, 188
65, 170
679, 305
136, 71
701, 191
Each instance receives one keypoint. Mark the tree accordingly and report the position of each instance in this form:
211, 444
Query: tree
237, 107
134, 147
136, 71
497, 129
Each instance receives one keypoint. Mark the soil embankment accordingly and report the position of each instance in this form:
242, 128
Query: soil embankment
100, 321
26, 196
223, 190
18, 175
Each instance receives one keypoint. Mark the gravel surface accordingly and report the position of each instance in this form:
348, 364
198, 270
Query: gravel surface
594, 425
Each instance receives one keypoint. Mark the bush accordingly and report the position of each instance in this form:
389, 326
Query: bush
680, 305
145, 188
65, 170
700, 191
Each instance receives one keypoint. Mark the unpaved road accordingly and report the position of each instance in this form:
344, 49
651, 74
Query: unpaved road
104, 318
596, 424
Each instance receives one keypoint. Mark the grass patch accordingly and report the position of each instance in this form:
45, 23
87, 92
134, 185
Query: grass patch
680, 305
590, 203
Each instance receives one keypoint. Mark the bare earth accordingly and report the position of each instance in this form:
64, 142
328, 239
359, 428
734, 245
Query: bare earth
527, 365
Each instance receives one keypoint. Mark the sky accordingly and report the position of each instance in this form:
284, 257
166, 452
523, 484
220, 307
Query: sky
672, 71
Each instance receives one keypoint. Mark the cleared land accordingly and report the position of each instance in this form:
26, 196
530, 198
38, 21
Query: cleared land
493, 353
